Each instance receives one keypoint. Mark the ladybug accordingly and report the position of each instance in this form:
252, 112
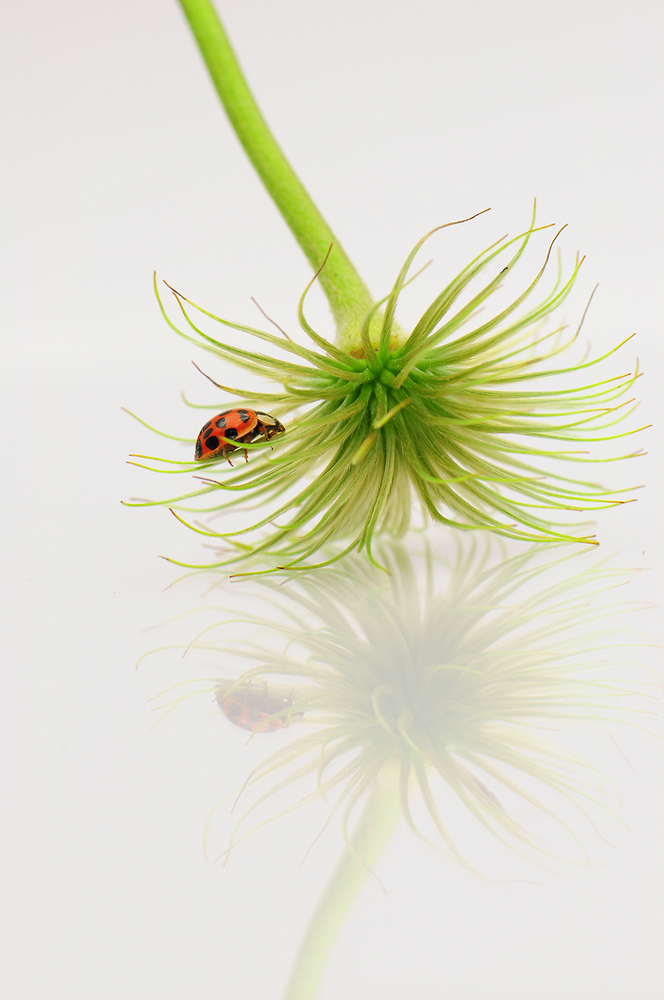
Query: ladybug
257, 709
241, 425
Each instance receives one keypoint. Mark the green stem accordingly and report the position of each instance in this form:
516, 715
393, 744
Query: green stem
347, 294
376, 824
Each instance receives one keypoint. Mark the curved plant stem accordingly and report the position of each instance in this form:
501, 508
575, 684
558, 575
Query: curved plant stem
347, 294
376, 824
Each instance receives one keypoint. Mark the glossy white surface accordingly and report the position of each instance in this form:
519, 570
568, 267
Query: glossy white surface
397, 117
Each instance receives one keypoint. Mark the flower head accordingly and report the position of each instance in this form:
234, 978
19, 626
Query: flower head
448, 682
469, 416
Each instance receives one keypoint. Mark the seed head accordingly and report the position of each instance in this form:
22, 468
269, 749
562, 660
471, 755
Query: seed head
471, 417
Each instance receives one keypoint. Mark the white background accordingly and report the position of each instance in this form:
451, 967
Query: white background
118, 160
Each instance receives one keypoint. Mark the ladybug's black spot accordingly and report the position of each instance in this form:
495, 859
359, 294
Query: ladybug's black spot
220, 422
234, 708
231, 433
244, 416
199, 448
206, 426
255, 716
212, 442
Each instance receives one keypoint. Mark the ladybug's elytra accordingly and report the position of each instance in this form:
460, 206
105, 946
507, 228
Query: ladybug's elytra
241, 425
256, 708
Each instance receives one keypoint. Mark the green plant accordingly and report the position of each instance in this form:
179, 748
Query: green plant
474, 418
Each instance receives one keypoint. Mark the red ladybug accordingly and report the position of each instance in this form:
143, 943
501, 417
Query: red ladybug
241, 425
256, 708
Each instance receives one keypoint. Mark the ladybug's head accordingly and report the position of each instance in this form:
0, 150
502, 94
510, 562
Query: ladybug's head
269, 425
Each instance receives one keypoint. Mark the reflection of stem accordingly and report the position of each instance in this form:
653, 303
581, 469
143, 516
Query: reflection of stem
348, 296
377, 822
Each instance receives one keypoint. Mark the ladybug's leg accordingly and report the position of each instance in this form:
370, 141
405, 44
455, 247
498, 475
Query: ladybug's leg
246, 455
229, 461
266, 437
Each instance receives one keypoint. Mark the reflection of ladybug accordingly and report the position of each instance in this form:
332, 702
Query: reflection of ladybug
257, 708
241, 425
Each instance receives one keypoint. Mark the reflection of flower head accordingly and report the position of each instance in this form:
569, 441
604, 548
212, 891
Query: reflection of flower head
464, 414
443, 686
